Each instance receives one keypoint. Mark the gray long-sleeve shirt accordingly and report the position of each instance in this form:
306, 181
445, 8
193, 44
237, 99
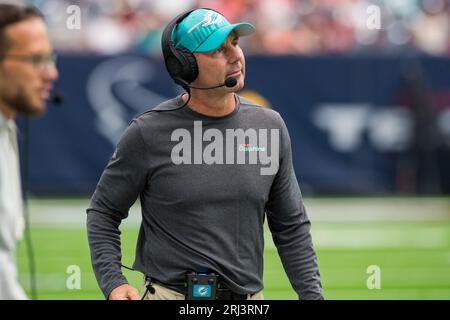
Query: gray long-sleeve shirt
205, 184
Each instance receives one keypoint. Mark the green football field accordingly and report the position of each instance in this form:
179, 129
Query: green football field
368, 248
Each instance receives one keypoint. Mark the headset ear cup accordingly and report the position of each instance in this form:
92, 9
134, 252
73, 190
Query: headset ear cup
189, 64
174, 66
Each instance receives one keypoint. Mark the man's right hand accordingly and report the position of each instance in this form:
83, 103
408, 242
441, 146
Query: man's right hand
124, 292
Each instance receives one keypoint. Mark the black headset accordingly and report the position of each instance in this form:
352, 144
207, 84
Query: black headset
180, 62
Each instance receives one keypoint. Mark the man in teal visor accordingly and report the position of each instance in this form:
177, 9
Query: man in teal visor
209, 167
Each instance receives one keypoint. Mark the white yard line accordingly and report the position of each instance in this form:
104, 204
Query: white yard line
68, 212
423, 238
379, 209
330, 219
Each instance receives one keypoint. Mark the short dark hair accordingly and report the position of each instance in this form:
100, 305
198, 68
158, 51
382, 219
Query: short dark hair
10, 14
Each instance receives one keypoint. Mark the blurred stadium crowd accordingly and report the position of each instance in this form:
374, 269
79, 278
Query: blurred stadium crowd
307, 27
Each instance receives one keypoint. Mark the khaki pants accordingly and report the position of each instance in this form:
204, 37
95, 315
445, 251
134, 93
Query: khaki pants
163, 293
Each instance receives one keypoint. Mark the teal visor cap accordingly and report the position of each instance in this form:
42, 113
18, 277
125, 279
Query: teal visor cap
205, 30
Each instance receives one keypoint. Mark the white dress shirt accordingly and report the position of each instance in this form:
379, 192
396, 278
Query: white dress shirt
11, 210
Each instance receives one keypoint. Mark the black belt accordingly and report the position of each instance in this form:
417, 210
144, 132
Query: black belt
227, 294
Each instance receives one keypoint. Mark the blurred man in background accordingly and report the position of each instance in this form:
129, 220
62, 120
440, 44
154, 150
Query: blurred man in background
27, 71
202, 219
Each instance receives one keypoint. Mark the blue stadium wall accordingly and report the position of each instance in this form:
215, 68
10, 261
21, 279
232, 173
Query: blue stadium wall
359, 125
